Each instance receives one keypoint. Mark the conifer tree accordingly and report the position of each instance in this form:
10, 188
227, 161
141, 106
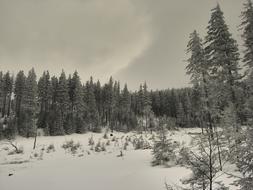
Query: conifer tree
77, 103
19, 91
125, 107
7, 91
29, 105
247, 26
44, 97
19, 95
164, 149
63, 104
222, 55
92, 112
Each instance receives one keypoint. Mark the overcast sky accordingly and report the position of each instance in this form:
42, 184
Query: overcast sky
132, 40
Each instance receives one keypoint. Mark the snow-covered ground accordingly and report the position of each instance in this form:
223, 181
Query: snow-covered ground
41, 169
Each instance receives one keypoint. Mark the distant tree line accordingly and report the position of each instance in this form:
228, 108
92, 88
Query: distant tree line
63, 105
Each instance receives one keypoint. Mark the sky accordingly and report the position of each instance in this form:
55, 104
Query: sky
132, 40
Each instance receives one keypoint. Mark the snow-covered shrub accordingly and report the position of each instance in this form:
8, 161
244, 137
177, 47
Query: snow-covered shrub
245, 161
182, 156
125, 145
164, 149
105, 136
71, 146
141, 143
103, 147
91, 141
18, 150
108, 143
50, 148
98, 147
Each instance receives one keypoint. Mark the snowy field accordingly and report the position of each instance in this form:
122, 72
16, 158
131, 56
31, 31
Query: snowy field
84, 168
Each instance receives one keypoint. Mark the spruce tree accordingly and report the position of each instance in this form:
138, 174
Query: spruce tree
77, 103
63, 103
125, 107
164, 148
247, 26
222, 57
19, 93
44, 96
29, 105
7, 91
92, 112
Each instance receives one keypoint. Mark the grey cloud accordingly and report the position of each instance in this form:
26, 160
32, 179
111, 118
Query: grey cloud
133, 40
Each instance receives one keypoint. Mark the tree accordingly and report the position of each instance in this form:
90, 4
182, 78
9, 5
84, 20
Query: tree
63, 103
92, 116
247, 26
7, 87
198, 68
19, 93
204, 163
44, 98
125, 107
245, 163
77, 106
222, 55
29, 105
164, 149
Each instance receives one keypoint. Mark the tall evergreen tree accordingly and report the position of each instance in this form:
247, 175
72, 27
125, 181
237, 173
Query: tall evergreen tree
222, 56
247, 25
29, 105
63, 103
77, 103
92, 116
19, 93
7, 91
44, 96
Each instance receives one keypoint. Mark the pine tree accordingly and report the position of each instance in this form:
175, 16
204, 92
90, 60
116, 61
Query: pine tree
222, 55
44, 96
245, 162
164, 148
199, 69
19, 93
63, 104
92, 112
77, 103
125, 107
7, 91
247, 25
1, 92
98, 96
29, 105
204, 163
147, 112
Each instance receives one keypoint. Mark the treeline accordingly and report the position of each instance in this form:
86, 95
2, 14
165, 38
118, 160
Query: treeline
63, 105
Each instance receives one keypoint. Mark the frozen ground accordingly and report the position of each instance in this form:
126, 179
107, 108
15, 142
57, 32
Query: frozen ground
86, 169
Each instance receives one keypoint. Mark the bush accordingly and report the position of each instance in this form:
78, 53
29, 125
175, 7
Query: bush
91, 141
98, 147
71, 146
163, 150
50, 148
140, 143
19, 150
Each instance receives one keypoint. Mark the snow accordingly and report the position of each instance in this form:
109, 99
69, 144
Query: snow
87, 169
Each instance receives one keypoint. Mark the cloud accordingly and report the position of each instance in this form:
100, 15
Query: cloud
162, 64
93, 36
132, 40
